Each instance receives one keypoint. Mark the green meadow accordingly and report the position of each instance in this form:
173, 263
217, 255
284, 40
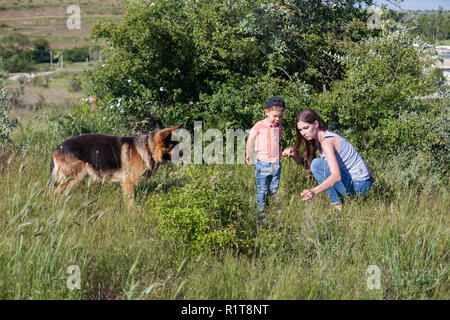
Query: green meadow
307, 250
194, 233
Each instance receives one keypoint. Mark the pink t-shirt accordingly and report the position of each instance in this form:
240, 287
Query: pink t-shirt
267, 141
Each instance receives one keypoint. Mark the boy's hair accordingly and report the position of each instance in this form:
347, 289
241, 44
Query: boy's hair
275, 102
274, 108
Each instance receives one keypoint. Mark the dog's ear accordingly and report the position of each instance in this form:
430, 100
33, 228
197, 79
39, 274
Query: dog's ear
178, 126
165, 135
169, 140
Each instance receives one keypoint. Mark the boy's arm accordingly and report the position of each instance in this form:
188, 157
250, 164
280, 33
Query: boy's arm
249, 145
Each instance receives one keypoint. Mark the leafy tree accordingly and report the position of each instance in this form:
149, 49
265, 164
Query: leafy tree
385, 104
17, 52
167, 60
434, 26
6, 124
79, 54
41, 52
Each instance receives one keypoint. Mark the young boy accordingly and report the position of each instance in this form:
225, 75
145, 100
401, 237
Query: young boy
267, 134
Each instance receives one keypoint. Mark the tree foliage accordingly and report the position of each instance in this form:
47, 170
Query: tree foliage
172, 61
20, 54
6, 124
434, 26
393, 101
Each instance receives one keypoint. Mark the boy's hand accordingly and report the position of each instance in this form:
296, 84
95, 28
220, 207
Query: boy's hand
247, 159
289, 152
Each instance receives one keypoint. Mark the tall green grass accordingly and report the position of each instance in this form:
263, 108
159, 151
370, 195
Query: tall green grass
307, 250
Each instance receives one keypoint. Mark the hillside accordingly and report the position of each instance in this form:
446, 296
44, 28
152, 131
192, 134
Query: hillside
40, 18
195, 233
48, 19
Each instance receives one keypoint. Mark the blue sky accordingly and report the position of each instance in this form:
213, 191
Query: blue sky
418, 4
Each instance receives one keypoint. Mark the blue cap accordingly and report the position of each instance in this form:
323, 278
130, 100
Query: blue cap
275, 102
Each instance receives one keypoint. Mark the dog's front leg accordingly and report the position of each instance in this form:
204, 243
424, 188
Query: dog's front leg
129, 190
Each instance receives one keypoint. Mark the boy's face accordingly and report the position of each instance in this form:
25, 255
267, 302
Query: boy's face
274, 116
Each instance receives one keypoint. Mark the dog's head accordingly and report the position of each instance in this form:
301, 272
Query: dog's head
162, 144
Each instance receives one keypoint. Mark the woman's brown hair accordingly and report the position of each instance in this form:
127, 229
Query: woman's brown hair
309, 153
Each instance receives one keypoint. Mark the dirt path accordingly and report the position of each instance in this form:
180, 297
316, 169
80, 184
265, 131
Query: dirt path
30, 76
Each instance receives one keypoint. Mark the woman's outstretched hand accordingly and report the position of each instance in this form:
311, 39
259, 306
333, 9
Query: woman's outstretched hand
307, 194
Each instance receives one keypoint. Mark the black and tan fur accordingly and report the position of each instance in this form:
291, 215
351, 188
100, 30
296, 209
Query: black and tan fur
126, 160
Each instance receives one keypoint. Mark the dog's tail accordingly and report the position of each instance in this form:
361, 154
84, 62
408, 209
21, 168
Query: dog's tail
52, 165
54, 168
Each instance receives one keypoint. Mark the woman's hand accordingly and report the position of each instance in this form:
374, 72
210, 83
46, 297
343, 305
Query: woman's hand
289, 152
307, 194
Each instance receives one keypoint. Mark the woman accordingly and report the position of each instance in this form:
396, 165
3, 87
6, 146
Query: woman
340, 170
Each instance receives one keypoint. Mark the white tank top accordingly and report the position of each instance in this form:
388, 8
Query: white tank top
348, 158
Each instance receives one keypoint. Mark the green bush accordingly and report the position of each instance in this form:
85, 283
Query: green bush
81, 121
6, 124
419, 147
74, 84
79, 54
384, 75
383, 105
41, 52
208, 213
18, 53
169, 60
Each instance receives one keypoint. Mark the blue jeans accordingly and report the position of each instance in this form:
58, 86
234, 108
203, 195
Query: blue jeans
267, 182
345, 187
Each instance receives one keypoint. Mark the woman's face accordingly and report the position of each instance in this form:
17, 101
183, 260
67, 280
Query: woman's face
307, 130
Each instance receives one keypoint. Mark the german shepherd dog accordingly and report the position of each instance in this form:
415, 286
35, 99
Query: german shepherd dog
126, 160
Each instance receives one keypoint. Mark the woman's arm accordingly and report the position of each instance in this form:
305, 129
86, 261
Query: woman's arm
329, 150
